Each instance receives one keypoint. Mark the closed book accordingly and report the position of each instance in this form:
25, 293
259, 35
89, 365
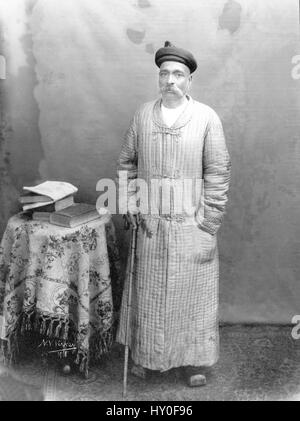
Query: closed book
52, 207
77, 214
41, 216
33, 198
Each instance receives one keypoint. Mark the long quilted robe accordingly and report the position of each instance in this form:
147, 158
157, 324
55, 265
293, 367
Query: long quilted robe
174, 313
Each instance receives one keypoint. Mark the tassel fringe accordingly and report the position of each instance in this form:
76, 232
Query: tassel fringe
56, 331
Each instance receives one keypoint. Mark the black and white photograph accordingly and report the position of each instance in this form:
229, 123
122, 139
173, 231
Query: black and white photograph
149, 202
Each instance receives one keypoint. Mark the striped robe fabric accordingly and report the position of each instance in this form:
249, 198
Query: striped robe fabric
174, 307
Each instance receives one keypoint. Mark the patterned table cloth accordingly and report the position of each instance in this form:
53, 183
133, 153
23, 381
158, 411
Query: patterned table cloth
56, 282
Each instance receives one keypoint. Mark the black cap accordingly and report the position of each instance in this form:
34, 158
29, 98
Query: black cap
171, 53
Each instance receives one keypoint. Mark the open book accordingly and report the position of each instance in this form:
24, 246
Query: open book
51, 190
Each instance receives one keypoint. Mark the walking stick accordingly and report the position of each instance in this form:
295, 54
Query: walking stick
131, 268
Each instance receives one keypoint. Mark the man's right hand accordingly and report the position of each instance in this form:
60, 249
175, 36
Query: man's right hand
131, 220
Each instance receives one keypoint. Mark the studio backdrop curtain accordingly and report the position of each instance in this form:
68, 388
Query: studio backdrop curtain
77, 71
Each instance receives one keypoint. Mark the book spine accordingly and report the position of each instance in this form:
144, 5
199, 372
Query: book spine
59, 220
64, 203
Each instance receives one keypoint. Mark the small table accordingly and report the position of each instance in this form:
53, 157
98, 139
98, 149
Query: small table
56, 282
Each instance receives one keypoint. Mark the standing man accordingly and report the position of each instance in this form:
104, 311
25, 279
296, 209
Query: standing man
175, 141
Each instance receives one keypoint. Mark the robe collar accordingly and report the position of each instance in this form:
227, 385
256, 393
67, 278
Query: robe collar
181, 121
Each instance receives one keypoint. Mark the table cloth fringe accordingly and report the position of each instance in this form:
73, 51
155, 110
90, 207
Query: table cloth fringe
55, 327
100, 343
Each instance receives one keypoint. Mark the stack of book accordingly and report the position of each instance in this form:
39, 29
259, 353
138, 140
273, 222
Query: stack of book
46, 198
53, 201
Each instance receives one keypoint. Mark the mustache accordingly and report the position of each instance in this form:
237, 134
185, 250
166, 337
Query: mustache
170, 88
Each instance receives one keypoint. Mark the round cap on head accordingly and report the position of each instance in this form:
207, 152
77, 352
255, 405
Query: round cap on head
171, 53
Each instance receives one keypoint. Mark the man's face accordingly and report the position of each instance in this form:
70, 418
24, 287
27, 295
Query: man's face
174, 79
